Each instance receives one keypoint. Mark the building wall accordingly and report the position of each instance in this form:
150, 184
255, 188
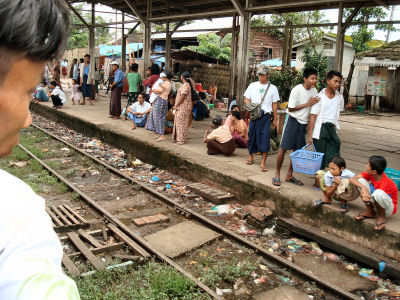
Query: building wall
259, 40
348, 55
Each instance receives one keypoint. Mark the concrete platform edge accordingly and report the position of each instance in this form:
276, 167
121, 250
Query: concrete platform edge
362, 233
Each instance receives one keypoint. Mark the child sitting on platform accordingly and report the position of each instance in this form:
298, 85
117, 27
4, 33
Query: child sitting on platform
336, 184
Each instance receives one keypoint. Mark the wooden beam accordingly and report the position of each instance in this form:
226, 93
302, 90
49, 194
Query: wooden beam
238, 7
339, 40
351, 17
382, 3
133, 29
92, 49
78, 14
134, 10
168, 48
199, 15
243, 58
123, 47
233, 64
298, 4
179, 24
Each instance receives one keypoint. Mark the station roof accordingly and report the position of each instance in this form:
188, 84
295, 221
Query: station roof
163, 10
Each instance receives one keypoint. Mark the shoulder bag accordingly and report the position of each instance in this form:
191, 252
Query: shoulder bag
255, 108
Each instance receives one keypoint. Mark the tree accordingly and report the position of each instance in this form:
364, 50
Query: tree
289, 36
214, 46
362, 35
79, 37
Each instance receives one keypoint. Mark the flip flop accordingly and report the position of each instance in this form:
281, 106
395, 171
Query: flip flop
344, 208
319, 203
249, 162
295, 181
380, 224
263, 169
361, 217
276, 181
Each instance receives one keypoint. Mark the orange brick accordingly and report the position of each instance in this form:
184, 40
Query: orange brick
139, 222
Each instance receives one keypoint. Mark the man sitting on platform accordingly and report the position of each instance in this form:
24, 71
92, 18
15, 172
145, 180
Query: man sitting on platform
139, 111
378, 192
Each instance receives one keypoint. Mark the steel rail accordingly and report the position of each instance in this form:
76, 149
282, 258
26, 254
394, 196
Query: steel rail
122, 226
215, 226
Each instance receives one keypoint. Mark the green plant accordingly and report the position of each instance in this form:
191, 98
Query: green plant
315, 60
284, 80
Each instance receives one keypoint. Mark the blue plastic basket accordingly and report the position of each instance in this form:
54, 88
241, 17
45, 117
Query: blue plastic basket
394, 175
306, 161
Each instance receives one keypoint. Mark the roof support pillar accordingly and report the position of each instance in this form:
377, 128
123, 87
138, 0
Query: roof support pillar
147, 40
92, 49
168, 48
339, 40
233, 64
243, 58
123, 46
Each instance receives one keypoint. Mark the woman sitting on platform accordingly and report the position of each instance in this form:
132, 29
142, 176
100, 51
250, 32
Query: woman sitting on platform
220, 139
239, 130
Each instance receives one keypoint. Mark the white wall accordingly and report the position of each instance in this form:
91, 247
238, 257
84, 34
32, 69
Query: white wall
348, 55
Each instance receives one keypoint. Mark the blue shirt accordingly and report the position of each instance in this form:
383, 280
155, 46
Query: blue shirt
119, 78
86, 70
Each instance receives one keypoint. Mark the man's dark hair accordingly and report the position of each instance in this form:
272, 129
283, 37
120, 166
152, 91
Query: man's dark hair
236, 114
134, 67
87, 55
75, 60
168, 74
234, 106
332, 74
31, 28
377, 163
202, 95
155, 69
308, 72
339, 161
53, 83
81, 60
143, 95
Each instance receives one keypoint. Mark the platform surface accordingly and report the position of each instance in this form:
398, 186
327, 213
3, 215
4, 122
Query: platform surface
362, 135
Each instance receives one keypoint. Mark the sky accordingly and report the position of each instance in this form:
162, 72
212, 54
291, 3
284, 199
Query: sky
331, 16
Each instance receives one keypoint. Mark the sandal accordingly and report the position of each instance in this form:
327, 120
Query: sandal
361, 217
380, 224
249, 162
295, 181
344, 208
276, 181
263, 169
319, 203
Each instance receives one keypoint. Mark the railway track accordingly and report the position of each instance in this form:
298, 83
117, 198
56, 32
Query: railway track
130, 238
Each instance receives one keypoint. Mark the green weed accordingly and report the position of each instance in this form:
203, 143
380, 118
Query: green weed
152, 281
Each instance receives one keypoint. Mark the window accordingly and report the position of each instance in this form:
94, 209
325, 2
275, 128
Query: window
267, 54
328, 46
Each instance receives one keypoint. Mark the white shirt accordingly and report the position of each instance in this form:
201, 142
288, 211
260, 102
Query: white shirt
328, 110
255, 92
298, 96
30, 251
329, 178
136, 107
155, 86
58, 92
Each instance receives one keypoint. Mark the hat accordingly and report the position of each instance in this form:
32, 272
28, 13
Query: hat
163, 74
262, 70
115, 62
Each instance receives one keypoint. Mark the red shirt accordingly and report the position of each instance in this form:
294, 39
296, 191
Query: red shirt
385, 184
